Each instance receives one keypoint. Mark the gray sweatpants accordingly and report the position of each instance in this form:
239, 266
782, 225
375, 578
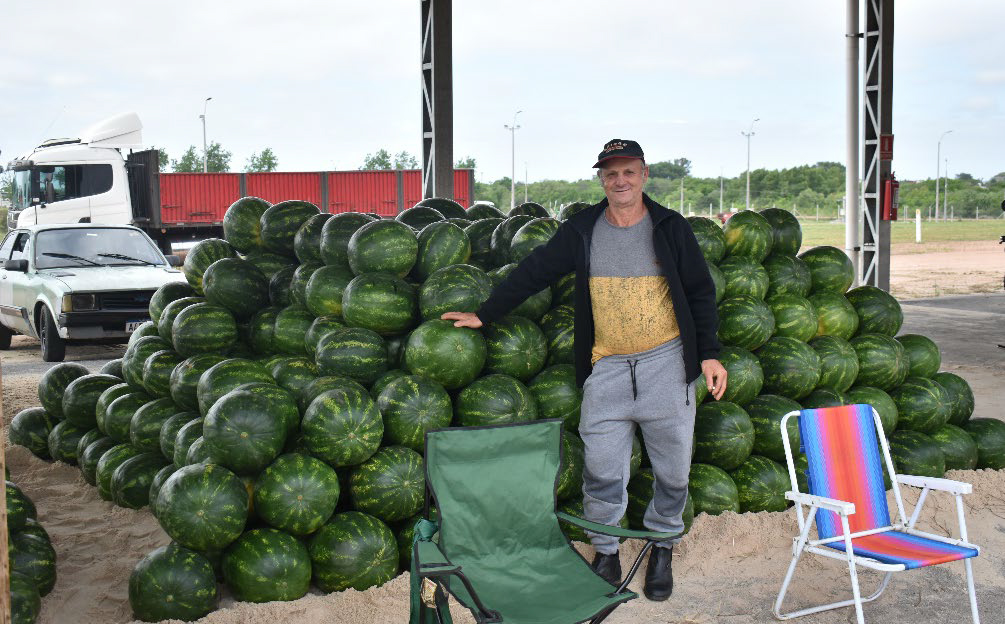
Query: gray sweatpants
648, 390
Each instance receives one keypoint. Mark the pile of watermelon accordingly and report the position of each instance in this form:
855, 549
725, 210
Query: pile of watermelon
32, 557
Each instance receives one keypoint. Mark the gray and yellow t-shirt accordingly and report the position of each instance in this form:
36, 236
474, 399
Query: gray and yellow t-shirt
632, 310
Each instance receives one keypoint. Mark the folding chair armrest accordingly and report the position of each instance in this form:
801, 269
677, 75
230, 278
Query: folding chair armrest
933, 483
843, 508
605, 529
430, 560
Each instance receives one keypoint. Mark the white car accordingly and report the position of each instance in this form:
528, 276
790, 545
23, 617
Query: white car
78, 282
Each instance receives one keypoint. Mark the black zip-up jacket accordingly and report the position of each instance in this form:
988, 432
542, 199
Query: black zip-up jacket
691, 289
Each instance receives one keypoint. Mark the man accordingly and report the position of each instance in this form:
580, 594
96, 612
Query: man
645, 331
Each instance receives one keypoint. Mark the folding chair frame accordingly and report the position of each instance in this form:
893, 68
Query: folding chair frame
844, 509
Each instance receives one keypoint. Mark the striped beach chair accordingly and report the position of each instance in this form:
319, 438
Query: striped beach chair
847, 504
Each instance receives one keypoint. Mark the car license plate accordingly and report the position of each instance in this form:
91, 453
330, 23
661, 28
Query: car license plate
132, 326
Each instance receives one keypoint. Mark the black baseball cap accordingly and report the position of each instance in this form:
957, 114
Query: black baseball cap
619, 148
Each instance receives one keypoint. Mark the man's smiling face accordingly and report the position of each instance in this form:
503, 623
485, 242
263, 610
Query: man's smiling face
623, 180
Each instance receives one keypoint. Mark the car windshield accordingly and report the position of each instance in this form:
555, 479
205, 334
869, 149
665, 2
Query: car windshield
85, 247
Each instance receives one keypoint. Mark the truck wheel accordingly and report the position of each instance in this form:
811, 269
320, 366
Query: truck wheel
5, 336
53, 345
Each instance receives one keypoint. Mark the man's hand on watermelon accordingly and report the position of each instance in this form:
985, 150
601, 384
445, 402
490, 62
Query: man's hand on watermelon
715, 377
463, 319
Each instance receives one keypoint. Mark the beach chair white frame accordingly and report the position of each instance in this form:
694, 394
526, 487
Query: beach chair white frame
802, 543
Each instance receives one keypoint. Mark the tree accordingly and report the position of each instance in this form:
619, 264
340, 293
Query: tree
380, 160
672, 169
404, 160
7, 187
466, 163
264, 161
217, 160
162, 159
966, 177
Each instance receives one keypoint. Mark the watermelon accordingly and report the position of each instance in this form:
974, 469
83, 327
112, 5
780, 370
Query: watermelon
915, 453
719, 281
533, 307
280, 222
795, 316
147, 328
119, 414
224, 376
269, 263
529, 208
761, 484
354, 352
532, 235
324, 384
35, 558
390, 485
130, 483
563, 292
791, 368
63, 441
172, 582
882, 361
169, 431
385, 380
880, 401
86, 440
165, 295
922, 404
298, 283
33, 527
744, 322
557, 394
570, 473
294, 373
242, 433
710, 238
237, 285
19, 507
145, 424
766, 412
203, 254
989, 434
53, 383
307, 240
380, 302
203, 506
296, 493
960, 395
723, 434
342, 427
383, 247
446, 207
410, 406
242, 224
354, 550
786, 235
136, 356
185, 379
184, 439
748, 234
515, 346
323, 295
265, 565
418, 217
787, 275
558, 326
292, 323
835, 315
282, 404
743, 276
494, 400
321, 326
335, 237
567, 210
281, 286
744, 374
197, 452
157, 371
957, 447
712, 490
157, 482
830, 269
25, 602
502, 237
451, 356
480, 236
824, 397
456, 288
802, 465
113, 367
88, 459
483, 210
105, 468
30, 428
838, 362
203, 328
440, 244
923, 355
877, 310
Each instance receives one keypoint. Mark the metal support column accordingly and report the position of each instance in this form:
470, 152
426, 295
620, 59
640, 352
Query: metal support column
437, 100
878, 109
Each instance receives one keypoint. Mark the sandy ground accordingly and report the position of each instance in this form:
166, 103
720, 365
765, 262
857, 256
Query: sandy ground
937, 269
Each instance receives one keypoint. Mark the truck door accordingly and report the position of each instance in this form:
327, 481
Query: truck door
12, 283
65, 191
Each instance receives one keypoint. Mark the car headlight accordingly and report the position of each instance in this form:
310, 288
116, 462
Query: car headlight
79, 302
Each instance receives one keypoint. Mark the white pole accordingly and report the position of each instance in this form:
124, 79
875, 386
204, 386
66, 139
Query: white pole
525, 181
682, 195
720, 194
818, 212
852, 242
512, 179
205, 154
945, 190
952, 213
917, 226
938, 162
748, 135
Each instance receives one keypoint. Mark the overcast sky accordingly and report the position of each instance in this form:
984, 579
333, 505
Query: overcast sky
324, 83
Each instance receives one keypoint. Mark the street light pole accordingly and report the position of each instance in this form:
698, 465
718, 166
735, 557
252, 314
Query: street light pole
512, 180
720, 189
748, 135
938, 163
205, 162
525, 181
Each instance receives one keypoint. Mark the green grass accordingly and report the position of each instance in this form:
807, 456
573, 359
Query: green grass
832, 233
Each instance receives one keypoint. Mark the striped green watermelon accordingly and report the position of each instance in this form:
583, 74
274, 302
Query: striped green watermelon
157, 371
557, 394
390, 485
63, 441
130, 483
184, 439
570, 473
530, 208
835, 315
354, 550
923, 355
743, 276
18, 506
165, 295
795, 316
106, 398
960, 395
307, 240
296, 493
570, 209
922, 404
242, 224
281, 286
335, 237
516, 346
53, 383
712, 490
203, 328
325, 288
107, 463
324, 384
292, 323
766, 412
294, 373
35, 558
748, 234
480, 235
25, 602
298, 283
385, 380
461, 223
146, 328
877, 310
989, 434
203, 506
532, 235
830, 269
446, 207
354, 352
824, 397
81, 397
440, 245
265, 565
380, 302
744, 374
563, 292
719, 280
112, 367
242, 433
882, 361
203, 254
282, 404
411, 406
169, 432
880, 401
787, 275
915, 453
86, 440
185, 379
169, 313
88, 459
145, 425
172, 582
137, 354
723, 434
119, 414
786, 235
957, 447
224, 376
710, 238
383, 246
30, 428
493, 400
502, 237
483, 210
321, 326
745, 322
281, 221
451, 356
456, 288
533, 307
838, 362
761, 484
791, 368
418, 217
237, 285
342, 426
558, 326
269, 263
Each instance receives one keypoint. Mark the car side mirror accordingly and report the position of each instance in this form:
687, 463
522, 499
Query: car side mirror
174, 260
20, 265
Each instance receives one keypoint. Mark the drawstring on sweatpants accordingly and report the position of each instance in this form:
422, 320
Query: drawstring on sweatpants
631, 367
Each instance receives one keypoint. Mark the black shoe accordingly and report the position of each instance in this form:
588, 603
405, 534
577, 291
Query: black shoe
659, 576
608, 567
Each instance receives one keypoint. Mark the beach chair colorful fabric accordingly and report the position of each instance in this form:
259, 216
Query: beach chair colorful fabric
496, 545
847, 503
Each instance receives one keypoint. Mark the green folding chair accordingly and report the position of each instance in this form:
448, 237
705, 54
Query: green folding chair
497, 546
